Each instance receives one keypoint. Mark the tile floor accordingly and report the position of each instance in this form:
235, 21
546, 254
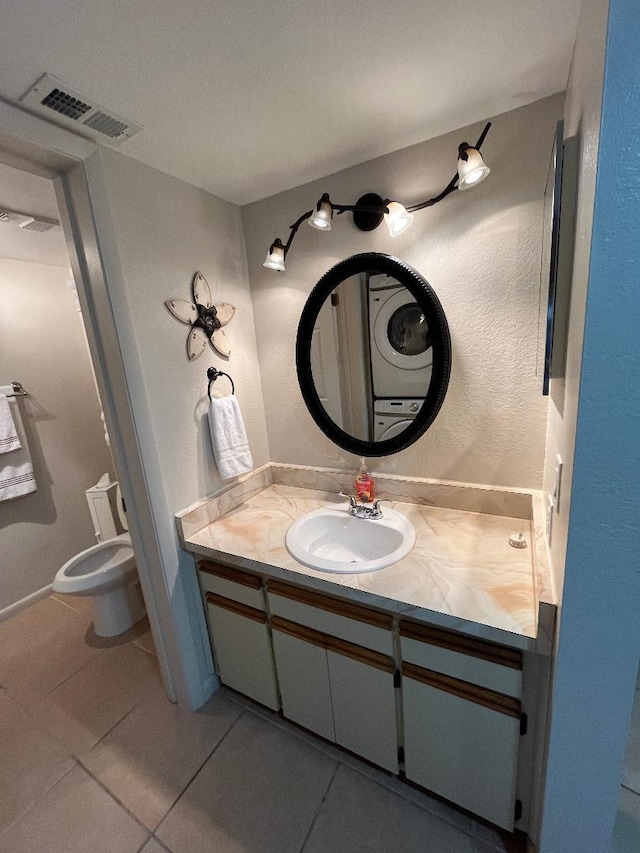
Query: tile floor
94, 759
627, 829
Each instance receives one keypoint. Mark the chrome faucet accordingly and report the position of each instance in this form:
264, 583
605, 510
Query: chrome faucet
361, 510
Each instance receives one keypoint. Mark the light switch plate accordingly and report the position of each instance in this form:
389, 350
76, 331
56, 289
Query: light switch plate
557, 482
550, 505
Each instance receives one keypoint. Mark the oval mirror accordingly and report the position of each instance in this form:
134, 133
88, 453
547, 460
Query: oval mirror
373, 354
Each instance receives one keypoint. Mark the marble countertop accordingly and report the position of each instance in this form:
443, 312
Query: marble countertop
461, 574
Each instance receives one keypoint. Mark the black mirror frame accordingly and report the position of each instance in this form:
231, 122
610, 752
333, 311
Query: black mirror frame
426, 298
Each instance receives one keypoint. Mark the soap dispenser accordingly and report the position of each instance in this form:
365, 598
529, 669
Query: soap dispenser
364, 484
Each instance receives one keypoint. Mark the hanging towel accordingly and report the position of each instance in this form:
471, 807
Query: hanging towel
16, 471
8, 434
229, 438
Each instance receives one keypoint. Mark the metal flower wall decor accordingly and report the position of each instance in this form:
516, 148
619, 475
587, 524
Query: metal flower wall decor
206, 320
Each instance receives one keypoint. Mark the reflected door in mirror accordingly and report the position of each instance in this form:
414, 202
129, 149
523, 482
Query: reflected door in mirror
373, 354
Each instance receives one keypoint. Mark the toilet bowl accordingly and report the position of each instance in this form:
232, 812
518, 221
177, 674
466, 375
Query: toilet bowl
106, 571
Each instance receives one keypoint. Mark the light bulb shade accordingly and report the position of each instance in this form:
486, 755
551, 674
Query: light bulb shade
398, 218
472, 170
275, 257
322, 215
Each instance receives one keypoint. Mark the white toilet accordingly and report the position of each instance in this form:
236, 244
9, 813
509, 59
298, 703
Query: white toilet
107, 571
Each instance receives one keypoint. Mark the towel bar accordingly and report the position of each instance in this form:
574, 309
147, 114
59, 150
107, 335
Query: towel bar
212, 375
18, 390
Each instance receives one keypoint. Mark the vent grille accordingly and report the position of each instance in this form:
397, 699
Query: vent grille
65, 104
37, 225
106, 124
58, 102
26, 221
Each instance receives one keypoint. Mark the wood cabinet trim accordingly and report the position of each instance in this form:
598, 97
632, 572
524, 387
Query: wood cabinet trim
236, 607
358, 612
361, 654
464, 690
235, 575
300, 632
333, 644
462, 644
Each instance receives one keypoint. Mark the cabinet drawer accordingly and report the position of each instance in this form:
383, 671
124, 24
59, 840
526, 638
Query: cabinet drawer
466, 658
242, 649
347, 621
231, 583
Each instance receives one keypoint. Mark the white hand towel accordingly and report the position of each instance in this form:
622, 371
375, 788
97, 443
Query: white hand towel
16, 471
229, 438
8, 434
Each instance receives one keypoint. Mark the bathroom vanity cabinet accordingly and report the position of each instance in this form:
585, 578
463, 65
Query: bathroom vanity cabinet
239, 632
463, 719
440, 708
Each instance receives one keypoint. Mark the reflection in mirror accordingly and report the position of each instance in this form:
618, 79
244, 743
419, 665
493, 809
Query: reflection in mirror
373, 354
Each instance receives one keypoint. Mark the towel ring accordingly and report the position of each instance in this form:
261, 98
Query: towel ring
212, 375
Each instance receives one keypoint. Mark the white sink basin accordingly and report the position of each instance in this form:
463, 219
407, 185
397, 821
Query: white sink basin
331, 540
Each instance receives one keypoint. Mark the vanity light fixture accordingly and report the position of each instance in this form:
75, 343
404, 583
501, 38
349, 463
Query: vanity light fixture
371, 209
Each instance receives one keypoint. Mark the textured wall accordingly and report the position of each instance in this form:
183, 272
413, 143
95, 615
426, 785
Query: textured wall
480, 250
42, 345
155, 232
599, 634
582, 119
165, 231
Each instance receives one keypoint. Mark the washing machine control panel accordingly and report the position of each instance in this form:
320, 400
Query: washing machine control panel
397, 407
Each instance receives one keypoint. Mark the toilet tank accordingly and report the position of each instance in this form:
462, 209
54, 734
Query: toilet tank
103, 506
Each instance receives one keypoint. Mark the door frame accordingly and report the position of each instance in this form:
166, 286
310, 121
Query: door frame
74, 165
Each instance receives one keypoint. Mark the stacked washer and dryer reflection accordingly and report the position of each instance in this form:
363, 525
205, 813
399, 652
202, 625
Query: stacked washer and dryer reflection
401, 356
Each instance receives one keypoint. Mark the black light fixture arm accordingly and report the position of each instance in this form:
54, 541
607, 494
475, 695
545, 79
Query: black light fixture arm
370, 209
361, 208
453, 183
277, 243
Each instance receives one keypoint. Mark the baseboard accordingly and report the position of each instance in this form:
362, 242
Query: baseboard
12, 609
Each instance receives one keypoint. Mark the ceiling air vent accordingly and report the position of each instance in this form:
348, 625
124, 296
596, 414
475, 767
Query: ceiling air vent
53, 99
26, 221
33, 224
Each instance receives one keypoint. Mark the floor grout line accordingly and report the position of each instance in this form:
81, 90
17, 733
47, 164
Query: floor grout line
319, 809
393, 785
191, 778
160, 842
70, 606
116, 800
74, 764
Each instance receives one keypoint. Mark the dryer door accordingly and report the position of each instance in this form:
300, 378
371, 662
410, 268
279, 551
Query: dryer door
385, 428
400, 332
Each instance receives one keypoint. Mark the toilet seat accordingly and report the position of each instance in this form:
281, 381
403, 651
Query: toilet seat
99, 569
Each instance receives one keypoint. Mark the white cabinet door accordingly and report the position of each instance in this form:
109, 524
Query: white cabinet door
364, 708
303, 677
242, 649
462, 748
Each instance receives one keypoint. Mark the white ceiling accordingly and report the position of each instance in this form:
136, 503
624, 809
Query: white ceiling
245, 98
35, 196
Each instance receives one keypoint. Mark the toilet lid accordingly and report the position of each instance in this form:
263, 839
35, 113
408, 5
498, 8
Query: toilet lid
122, 515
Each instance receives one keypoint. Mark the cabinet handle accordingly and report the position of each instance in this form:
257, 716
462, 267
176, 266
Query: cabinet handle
300, 632
236, 607
230, 574
333, 644
463, 645
332, 605
471, 692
